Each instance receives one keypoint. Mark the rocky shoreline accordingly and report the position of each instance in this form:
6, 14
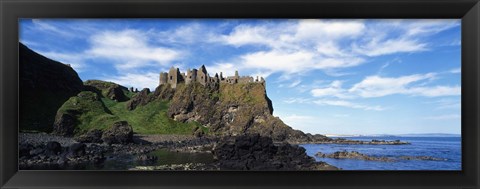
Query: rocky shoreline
357, 155
249, 152
46, 151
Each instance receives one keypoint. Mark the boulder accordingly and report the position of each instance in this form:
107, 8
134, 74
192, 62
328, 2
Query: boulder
425, 158
92, 136
76, 150
53, 148
24, 149
352, 155
65, 123
36, 151
120, 133
255, 152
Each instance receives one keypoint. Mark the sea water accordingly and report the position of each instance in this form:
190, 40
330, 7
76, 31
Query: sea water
448, 148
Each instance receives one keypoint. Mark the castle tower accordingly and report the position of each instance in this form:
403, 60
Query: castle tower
202, 75
215, 78
174, 77
191, 76
163, 78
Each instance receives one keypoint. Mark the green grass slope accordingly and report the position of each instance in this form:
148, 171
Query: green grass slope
92, 110
151, 118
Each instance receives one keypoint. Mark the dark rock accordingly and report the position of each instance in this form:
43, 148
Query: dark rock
37, 151
198, 132
62, 161
92, 136
255, 152
24, 150
141, 98
372, 142
76, 150
424, 158
65, 123
352, 155
120, 133
53, 148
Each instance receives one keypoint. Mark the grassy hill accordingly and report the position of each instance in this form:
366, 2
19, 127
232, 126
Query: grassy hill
95, 110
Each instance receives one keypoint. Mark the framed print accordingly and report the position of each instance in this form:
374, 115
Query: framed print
240, 94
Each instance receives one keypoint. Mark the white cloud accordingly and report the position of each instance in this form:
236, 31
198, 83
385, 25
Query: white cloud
333, 90
47, 27
390, 46
278, 61
294, 83
427, 27
302, 122
313, 29
348, 104
455, 70
136, 80
297, 100
435, 91
130, 49
227, 69
377, 86
299, 46
443, 117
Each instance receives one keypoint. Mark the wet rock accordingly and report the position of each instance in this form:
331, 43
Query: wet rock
36, 151
424, 158
120, 133
76, 150
254, 152
92, 136
352, 155
24, 150
372, 142
53, 148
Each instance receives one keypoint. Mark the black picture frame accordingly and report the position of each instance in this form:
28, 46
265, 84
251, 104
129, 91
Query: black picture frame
467, 10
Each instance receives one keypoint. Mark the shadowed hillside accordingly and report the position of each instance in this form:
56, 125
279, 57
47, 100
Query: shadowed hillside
44, 86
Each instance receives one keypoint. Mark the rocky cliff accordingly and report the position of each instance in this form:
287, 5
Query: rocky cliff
45, 85
229, 109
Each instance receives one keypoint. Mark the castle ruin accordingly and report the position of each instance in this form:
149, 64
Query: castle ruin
174, 77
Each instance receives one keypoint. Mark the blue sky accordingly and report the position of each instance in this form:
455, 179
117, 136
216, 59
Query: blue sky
323, 76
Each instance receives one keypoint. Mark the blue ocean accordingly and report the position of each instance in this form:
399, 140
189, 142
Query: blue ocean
447, 148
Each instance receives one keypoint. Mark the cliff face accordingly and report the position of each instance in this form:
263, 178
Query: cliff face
45, 85
232, 109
